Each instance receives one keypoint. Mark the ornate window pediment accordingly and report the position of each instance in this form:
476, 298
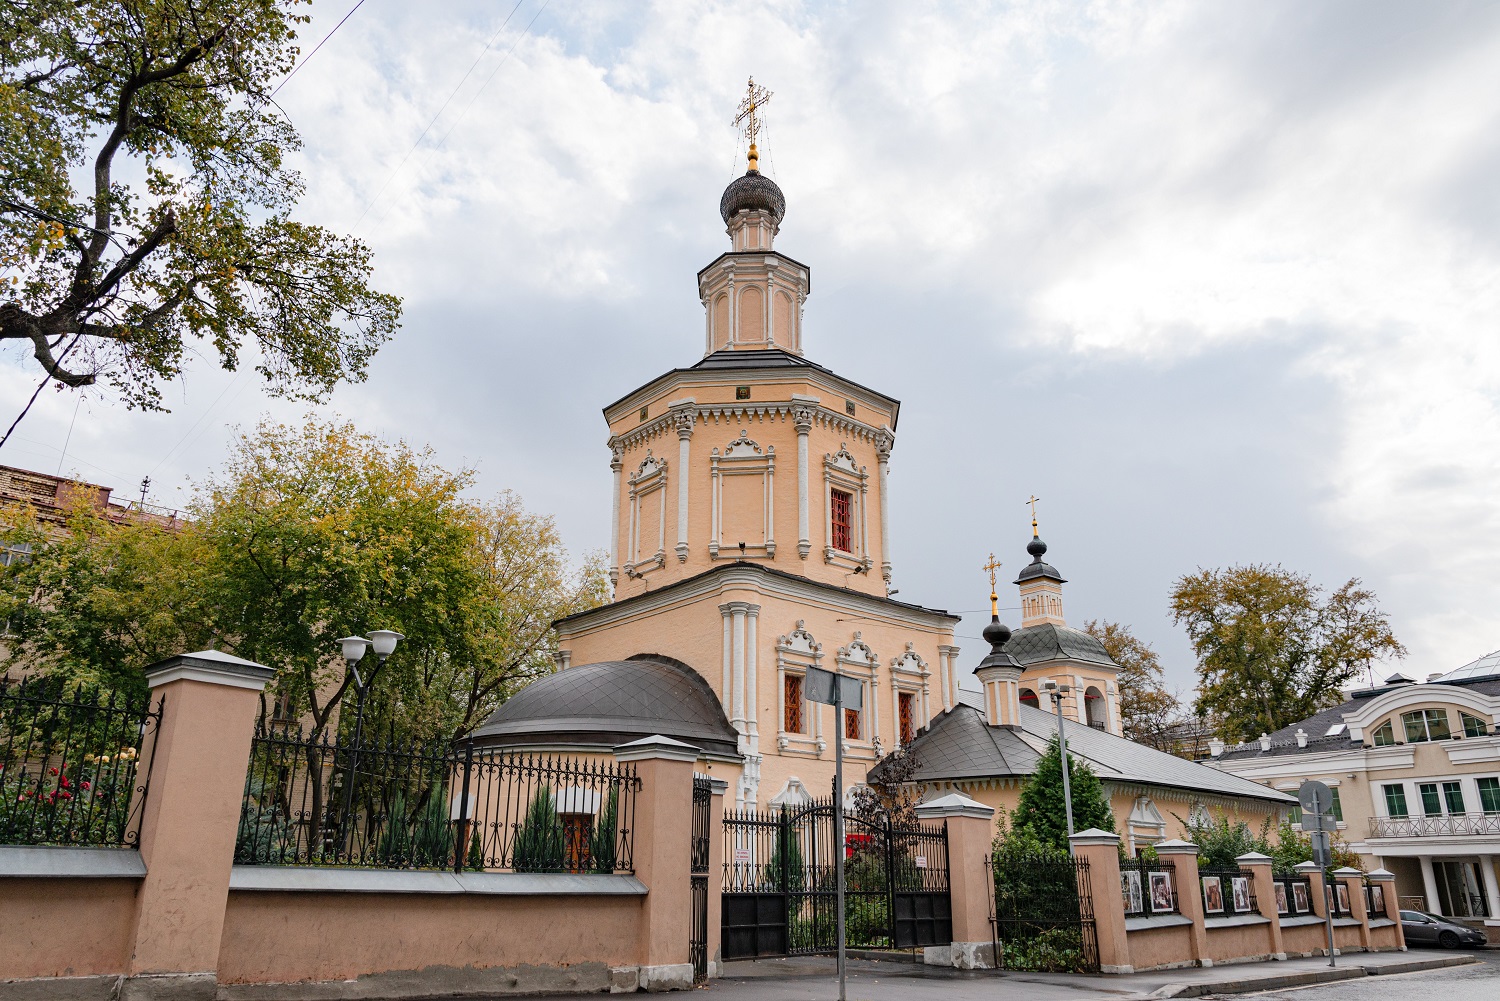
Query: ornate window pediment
847, 544
647, 547
799, 640
858, 652
742, 446
842, 459
909, 662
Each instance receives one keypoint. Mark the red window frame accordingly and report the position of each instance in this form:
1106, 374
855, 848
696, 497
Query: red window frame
841, 504
906, 704
792, 711
851, 724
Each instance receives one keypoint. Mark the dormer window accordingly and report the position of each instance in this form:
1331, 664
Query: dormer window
1425, 724
1384, 735
1473, 725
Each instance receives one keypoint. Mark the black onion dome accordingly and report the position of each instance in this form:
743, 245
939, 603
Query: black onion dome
1036, 568
997, 634
753, 191
614, 702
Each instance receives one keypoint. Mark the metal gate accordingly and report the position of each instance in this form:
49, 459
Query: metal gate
780, 898
1044, 914
698, 878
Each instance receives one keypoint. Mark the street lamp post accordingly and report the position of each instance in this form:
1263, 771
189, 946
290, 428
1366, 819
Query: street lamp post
1057, 692
383, 641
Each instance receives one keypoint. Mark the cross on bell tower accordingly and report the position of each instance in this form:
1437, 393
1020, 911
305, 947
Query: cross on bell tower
746, 120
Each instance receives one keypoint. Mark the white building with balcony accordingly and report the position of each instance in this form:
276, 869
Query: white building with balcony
1415, 771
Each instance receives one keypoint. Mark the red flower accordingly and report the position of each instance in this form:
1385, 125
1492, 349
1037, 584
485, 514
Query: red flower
85, 785
63, 781
65, 795
53, 771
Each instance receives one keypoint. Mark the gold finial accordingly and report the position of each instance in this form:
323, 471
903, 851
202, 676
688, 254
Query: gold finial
1032, 501
992, 566
747, 121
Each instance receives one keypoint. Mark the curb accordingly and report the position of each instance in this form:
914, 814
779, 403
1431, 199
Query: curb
1248, 985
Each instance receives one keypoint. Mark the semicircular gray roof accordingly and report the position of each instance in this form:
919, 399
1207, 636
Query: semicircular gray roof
614, 702
1036, 644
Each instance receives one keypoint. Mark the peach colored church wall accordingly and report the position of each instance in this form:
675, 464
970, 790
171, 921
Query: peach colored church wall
288, 936
59, 927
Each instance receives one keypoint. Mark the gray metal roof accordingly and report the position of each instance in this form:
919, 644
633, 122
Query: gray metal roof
614, 702
960, 744
1037, 644
752, 190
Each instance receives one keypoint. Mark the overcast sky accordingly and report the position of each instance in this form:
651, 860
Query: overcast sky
1217, 281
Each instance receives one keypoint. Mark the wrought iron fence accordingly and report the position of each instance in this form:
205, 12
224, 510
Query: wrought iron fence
1227, 892
1148, 888
70, 763
1293, 894
390, 804
1044, 914
1447, 825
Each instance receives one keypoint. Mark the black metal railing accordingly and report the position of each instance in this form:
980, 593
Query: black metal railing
1293, 894
1451, 825
71, 771
313, 800
1148, 888
1044, 914
1227, 892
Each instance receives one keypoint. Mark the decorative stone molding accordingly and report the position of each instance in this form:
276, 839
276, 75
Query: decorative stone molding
742, 413
685, 417
743, 457
647, 486
797, 651
841, 472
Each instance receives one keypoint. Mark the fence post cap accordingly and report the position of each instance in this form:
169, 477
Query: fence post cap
717, 787
1094, 836
213, 667
954, 805
1175, 846
1348, 870
1308, 866
1254, 858
1381, 874
658, 748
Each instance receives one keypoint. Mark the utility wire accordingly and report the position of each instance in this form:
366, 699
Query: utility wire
39, 387
392, 176
303, 61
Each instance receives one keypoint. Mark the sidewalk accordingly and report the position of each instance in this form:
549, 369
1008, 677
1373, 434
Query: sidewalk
811, 977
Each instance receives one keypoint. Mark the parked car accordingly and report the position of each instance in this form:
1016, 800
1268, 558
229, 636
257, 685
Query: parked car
1431, 929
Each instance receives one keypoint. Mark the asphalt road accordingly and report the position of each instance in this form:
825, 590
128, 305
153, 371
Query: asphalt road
1480, 982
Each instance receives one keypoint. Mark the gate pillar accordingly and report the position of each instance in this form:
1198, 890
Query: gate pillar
1101, 850
663, 858
1182, 856
971, 883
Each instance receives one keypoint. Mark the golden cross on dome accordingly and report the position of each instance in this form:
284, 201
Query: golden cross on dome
746, 120
1032, 501
992, 566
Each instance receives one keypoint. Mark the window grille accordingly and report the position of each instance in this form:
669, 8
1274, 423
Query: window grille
792, 718
907, 708
843, 534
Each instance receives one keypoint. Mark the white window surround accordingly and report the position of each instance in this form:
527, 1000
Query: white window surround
841, 472
743, 457
1469, 783
909, 674
648, 485
795, 653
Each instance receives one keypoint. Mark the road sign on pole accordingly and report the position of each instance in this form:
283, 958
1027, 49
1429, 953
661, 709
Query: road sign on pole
1316, 800
837, 691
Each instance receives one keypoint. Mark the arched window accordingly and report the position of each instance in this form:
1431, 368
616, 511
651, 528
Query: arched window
1028, 698
1093, 708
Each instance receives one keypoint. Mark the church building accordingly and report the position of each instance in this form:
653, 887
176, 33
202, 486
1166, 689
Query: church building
749, 541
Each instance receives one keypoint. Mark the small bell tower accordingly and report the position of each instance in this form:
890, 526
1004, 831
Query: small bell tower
1040, 584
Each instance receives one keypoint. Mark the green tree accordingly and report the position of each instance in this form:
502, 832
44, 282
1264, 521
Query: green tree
539, 841
146, 206
1271, 648
1041, 810
1147, 710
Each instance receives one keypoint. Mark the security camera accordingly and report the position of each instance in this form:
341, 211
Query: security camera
1048, 684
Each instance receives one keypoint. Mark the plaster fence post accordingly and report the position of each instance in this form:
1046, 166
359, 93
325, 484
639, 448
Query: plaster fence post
971, 883
663, 858
1318, 890
716, 877
198, 765
1182, 856
1387, 882
1259, 867
1354, 884
1101, 850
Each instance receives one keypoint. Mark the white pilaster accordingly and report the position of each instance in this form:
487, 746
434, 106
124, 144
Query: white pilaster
617, 466
752, 681
726, 694
951, 692
1491, 886
738, 612
883, 453
802, 418
685, 417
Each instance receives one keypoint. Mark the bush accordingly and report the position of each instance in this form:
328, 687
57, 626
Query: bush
539, 842
1055, 950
